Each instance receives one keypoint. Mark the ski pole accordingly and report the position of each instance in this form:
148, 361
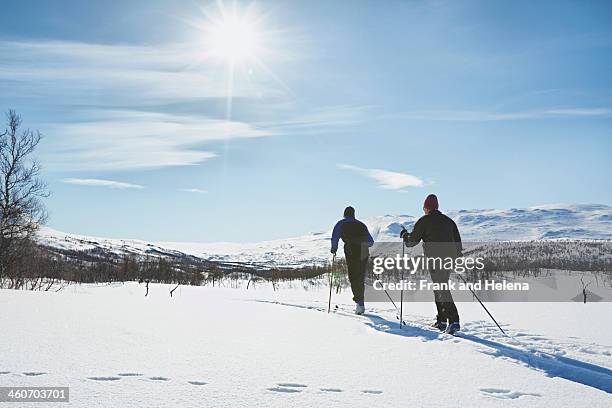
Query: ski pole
481, 304
391, 299
394, 305
331, 277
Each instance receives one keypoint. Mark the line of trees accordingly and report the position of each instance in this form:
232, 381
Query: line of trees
22, 191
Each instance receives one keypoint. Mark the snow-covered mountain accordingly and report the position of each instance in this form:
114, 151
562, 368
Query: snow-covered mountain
574, 221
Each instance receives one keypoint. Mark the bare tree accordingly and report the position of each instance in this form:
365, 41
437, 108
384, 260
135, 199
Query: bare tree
21, 191
585, 292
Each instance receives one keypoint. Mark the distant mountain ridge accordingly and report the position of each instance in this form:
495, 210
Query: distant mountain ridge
570, 221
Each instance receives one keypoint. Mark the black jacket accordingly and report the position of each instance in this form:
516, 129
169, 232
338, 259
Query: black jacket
439, 234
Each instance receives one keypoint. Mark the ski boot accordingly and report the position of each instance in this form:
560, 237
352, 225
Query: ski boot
453, 328
359, 309
439, 324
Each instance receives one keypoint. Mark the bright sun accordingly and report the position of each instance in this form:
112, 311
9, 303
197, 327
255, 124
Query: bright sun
234, 38
241, 38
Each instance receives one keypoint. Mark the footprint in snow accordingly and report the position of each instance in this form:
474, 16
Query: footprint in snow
288, 388
33, 373
109, 378
501, 393
4, 372
331, 390
159, 379
130, 375
197, 382
372, 392
292, 385
285, 390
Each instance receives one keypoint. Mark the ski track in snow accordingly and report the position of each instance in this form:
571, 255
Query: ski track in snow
532, 351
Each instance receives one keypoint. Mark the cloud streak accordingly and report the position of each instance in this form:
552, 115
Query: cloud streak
320, 120
101, 183
129, 139
193, 190
126, 72
484, 116
129, 126
388, 180
144, 107
118, 140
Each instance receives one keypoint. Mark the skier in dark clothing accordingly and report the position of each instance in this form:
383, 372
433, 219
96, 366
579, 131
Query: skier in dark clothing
357, 239
441, 239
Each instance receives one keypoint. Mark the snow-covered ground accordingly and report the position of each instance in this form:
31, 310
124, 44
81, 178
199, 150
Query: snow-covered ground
574, 221
224, 347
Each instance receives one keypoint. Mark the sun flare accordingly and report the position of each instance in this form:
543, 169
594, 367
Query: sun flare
240, 41
234, 38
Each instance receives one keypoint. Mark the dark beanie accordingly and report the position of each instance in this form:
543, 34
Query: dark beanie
349, 212
431, 202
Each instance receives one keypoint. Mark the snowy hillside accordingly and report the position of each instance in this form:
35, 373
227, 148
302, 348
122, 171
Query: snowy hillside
221, 347
534, 223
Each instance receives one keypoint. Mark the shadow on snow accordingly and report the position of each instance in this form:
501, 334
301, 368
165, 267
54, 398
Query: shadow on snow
550, 364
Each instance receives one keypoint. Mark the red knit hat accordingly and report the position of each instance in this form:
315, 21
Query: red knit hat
431, 202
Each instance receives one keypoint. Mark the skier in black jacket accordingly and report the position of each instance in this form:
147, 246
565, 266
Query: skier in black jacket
441, 239
357, 239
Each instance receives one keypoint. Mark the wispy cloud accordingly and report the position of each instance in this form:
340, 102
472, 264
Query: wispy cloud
320, 119
154, 106
193, 190
389, 180
128, 139
484, 116
116, 72
117, 140
130, 126
101, 183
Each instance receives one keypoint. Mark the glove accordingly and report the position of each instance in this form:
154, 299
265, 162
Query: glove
404, 234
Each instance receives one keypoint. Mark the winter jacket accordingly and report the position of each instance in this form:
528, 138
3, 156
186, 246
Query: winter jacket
439, 234
354, 234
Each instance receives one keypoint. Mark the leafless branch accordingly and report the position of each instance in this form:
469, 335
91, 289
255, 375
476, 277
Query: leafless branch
21, 191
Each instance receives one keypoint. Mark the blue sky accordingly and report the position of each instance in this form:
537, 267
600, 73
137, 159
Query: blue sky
488, 104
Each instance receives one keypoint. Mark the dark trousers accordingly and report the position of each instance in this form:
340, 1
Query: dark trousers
356, 272
447, 311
